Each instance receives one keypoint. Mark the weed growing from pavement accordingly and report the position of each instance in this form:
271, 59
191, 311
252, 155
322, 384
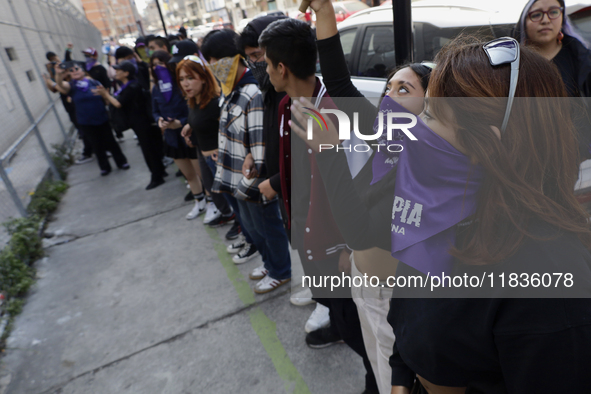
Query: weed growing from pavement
17, 273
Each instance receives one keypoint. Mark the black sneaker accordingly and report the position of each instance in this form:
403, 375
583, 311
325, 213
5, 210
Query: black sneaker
323, 337
249, 251
234, 232
155, 183
222, 220
189, 196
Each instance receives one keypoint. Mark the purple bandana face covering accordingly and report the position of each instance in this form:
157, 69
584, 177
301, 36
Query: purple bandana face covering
90, 62
164, 81
435, 189
82, 84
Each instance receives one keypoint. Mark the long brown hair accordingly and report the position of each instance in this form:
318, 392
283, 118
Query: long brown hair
210, 88
531, 171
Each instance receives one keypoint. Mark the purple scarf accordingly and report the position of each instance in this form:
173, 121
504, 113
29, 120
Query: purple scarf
118, 92
164, 82
90, 62
82, 84
435, 189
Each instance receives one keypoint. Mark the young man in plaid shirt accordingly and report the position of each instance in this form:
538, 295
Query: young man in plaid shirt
240, 160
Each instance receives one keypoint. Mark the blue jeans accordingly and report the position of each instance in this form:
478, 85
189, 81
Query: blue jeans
234, 204
264, 225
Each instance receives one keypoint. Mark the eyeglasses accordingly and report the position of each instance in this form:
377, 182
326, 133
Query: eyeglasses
501, 51
553, 13
74, 69
252, 63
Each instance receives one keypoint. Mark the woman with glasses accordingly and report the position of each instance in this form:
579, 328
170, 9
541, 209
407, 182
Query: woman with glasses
91, 114
483, 185
171, 112
544, 26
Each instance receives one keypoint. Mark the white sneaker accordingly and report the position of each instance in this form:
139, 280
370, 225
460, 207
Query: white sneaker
197, 210
211, 214
258, 273
268, 284
302, 297
237, 246
318, 319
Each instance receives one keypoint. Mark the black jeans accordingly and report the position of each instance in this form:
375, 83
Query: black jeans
150, 139
101, 140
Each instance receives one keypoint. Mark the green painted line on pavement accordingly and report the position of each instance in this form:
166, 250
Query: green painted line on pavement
265, 328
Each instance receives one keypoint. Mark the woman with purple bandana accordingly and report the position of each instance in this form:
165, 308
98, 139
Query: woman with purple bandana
371, 254
94, 68
484, 185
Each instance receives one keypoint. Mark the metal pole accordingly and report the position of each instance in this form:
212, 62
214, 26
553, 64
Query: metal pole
12, 192
39, 75
21, 97
403, 43
161, 17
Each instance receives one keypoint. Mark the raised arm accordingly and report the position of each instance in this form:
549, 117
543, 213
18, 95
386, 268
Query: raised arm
326, 22
335, 72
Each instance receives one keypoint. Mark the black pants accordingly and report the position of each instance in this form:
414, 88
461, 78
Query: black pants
150, 139
207, 175
344, 319
101, 140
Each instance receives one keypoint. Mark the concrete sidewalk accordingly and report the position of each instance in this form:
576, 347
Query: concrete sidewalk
137, 299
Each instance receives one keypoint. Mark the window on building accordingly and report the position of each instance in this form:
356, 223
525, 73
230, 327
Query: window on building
11, 52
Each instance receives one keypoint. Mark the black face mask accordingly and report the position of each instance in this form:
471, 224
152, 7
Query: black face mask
260, 74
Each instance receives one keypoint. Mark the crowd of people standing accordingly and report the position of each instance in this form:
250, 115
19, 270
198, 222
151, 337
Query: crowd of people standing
492, 190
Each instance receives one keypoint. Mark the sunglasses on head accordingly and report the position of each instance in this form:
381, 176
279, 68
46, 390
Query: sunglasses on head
501, 51
195, 59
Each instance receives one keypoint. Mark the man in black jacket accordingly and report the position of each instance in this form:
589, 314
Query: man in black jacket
143, 71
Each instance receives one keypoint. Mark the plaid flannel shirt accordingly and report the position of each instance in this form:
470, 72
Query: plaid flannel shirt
241, 132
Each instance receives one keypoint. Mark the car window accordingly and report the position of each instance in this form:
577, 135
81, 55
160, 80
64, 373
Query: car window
347, 41
435, 38
338, 8
377, 52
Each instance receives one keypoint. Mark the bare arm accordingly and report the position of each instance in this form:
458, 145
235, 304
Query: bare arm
104, 93
60, 85
49, 83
